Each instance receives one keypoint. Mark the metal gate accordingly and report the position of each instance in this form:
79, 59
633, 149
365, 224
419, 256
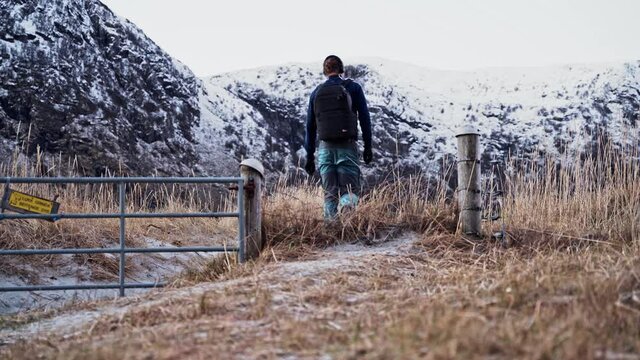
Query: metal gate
122, 250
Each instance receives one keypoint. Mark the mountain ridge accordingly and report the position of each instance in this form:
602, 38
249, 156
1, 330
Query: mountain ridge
416, 114
79, 81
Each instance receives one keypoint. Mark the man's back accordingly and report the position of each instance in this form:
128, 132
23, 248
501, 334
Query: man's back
359, 107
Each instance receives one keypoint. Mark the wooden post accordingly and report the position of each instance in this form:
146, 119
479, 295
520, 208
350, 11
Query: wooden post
252, 172
469, 197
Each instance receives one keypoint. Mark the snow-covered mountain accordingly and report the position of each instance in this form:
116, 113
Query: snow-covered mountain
77, 80
417, 111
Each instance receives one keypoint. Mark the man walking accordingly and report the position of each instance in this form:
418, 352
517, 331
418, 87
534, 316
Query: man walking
334, 110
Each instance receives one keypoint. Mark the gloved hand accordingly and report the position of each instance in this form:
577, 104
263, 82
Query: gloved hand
367, 155
310, 166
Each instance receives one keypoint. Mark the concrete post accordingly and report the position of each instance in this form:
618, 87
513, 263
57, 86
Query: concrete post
252, 172
469, 196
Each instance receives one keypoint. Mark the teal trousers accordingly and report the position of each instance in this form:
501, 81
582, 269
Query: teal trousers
339, 168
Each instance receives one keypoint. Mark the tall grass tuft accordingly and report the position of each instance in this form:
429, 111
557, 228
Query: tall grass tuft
591, 197
294, 215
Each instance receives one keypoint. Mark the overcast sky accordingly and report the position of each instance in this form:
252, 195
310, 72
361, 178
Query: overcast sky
218, 36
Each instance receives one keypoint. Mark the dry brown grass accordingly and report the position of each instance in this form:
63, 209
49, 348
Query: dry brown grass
592, 199
568, 287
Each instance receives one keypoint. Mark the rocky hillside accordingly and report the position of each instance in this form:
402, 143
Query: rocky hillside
416, 111
77, 80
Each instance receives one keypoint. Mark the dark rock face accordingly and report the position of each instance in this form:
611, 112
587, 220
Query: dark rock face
79, 81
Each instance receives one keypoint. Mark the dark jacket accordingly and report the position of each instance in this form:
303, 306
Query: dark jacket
359, 107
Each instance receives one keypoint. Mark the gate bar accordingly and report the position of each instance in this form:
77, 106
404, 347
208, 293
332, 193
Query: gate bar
117, 250
81, 287
117, 180
118, 215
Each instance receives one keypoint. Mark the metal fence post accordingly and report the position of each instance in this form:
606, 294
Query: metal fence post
252, 172
121, 197
469, 195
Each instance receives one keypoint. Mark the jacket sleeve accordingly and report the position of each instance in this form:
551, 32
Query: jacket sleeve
360, 103
310, 129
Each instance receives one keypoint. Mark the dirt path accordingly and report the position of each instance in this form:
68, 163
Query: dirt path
274, 279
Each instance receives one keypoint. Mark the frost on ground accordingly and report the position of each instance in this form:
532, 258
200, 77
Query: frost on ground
275, 277
418, 296
147, 268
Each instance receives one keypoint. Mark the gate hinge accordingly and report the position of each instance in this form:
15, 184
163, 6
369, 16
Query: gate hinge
249, 187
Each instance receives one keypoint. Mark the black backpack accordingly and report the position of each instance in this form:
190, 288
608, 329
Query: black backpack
335, 118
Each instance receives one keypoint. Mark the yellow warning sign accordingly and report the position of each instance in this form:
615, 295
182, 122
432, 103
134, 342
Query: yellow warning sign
30, 203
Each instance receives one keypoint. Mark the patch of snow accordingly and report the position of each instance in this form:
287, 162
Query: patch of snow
28, 26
